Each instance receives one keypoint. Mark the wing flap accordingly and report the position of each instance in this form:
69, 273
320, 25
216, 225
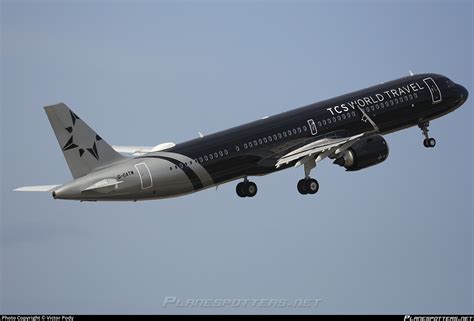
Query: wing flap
319, 149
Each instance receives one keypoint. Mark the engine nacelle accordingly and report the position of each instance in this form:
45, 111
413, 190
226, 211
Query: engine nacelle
369, 151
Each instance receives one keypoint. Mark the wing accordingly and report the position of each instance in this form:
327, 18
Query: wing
135, 150
140, 150
319, 149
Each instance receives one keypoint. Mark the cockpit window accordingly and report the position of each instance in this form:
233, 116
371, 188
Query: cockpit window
450, 83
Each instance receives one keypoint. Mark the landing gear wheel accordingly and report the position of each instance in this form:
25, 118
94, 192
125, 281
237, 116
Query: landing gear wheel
240, 189
425, 143
312, 186
308, 186
302, 187
428, 142
250, 189
431, 142
246, 189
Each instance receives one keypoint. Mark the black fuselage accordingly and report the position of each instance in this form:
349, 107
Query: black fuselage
254, 148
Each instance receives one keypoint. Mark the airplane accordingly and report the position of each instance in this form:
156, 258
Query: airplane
347, 129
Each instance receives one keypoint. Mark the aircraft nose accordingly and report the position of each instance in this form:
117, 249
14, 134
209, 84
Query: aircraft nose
463, 93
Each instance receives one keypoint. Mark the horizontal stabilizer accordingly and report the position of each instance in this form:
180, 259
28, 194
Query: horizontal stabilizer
37, 188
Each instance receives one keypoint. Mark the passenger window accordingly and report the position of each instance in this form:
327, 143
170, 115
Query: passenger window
260, 141
221, 153
284, 134
338, 117
299, 129
372, 107
255, 143
237, 148
367, 109
329, 120
348, 115
396, 100
289, 132
245, 145
211, 157
324, 122
343, 116
200, 160
406, 98
294, 131
334, 119
304, 128
274, 136
415, 95
386, 104
411, 97
269, 138
391, 102
205, 158
250, 145
265, 140
353, 113
226, 152
279, 135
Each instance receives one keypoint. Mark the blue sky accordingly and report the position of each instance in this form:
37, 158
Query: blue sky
395, 238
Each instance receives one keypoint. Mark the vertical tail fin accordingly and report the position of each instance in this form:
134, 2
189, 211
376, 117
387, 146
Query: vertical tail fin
83, 149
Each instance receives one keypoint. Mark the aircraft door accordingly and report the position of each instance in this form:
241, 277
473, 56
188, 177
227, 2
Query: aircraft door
434, 90
312, 127
145, 175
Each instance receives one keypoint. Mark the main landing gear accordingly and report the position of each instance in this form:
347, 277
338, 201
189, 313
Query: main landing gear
428, 142
308, 185
305, 186
246, 188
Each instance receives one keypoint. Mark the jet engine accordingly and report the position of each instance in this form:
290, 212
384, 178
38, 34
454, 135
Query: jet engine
368, 151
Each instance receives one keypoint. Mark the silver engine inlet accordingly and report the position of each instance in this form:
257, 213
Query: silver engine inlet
346, 160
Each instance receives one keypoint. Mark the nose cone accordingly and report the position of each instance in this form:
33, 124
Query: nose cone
462, 92
459, 96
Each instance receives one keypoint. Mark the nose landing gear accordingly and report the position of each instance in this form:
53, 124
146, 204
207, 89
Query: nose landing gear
428, 142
